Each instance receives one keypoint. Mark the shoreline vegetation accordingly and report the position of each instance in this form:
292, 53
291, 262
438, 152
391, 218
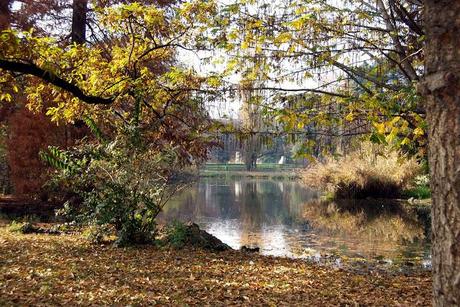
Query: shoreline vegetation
272, 171
274, 175
370, 171
66, 269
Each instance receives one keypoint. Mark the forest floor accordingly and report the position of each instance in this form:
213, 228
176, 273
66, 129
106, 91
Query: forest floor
41, 269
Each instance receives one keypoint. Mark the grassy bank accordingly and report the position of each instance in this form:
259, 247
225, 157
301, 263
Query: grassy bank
58, 270
261, 167
275, 175
263, 171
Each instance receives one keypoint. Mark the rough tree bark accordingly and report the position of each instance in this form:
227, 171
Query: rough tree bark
5, 14
441, 88
79, 13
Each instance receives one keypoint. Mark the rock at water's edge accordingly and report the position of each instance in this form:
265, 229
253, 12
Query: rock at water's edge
200, 238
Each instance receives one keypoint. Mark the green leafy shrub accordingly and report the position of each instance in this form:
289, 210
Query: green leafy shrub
371, 171
118, 183
176, 234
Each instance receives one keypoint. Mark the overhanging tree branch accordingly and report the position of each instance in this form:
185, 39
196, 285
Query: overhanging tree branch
312, 90
34, 70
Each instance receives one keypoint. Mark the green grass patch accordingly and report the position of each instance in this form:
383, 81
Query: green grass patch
418, 192
267, 167
273, 175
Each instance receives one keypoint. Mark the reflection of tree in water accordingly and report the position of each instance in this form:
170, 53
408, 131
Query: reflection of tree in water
266, 206
271, 198
211, 197
377, 220
370, 227
222, 200
294, 198
268, 214
262, 206
182, 206
254, 202
269, 203
251, 207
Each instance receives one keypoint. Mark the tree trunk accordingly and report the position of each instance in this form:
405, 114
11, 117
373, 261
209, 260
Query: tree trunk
5, 14
79, 12
441, 88
251, 152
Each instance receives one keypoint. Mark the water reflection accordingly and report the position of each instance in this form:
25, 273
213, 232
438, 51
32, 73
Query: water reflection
286, 219
372, 228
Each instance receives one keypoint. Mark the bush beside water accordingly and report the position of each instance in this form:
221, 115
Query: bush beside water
371, 171
120, 186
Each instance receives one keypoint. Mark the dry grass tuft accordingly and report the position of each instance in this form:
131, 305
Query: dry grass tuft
371, 171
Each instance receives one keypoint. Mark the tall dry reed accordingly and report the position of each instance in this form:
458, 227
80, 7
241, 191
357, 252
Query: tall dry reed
370, 171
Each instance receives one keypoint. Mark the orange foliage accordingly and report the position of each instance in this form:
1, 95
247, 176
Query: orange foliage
28, 133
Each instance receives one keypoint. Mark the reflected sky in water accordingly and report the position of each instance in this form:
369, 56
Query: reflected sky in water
284, 218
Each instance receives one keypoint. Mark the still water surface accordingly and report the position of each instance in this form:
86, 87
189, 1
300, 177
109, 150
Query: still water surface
284, 218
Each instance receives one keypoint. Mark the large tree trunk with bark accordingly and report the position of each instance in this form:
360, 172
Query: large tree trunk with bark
441, 88
5, 14
79, 13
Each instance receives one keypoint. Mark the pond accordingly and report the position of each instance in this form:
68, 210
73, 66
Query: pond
284, 218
